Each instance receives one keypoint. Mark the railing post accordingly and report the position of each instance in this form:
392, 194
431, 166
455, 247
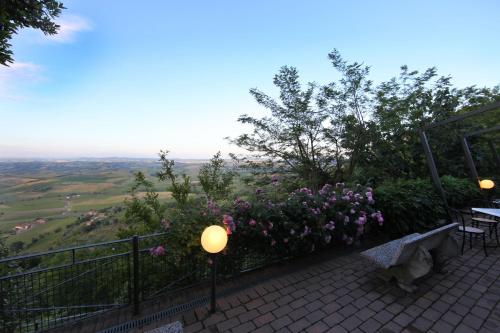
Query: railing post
136, 272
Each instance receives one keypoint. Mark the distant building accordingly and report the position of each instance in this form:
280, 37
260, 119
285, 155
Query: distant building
39, 221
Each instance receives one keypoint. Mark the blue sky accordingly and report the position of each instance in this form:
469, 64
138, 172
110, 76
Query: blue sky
128, 78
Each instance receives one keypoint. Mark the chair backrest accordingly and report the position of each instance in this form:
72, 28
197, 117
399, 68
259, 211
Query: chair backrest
457, 216
430, 240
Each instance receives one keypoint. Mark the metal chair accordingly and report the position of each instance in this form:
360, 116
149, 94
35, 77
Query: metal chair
479, 219
464, 229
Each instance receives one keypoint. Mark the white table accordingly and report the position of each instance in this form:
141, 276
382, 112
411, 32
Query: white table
488, 211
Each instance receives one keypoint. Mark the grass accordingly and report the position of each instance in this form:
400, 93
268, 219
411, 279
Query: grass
30, 194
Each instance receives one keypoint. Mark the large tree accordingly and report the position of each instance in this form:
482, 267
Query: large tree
18, 14
293, 133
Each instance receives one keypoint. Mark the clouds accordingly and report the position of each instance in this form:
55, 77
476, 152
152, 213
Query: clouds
16, 73
21, 74
70, 26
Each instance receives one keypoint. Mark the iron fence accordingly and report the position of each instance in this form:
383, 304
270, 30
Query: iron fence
45, 290
36, 295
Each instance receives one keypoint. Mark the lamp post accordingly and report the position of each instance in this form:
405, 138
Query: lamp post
213, 240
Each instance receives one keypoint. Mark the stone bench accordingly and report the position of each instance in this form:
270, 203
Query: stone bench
413, 256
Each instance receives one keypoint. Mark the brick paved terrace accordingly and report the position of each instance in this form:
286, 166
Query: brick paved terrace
343, 294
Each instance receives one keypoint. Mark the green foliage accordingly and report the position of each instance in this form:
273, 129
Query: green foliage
294, 132
413, 205
4, 250
15, 14
460, 192
180, 188
17, 246
143, 214
215, 179
350, 130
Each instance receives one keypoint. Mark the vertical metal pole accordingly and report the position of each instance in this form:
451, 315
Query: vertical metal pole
434, 172
135, 256
470, 162
495, 153
213, 256
73, 255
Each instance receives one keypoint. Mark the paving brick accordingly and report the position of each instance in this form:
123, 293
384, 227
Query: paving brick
473, 321
228, 324
244, 328
370, 326
298, 313
333, 319
299, 325
348, 310
464, 329
432, 314
244, 317
235, 311
284, 300
403, 319
255, 304
282, 310
451, 318
281, 322
383, 317
316, 316
377, 305
351, 323
263, 319
298, 303
365, 313
268, 307
443, 327
319, 327
422, 324
214, 319
337, 329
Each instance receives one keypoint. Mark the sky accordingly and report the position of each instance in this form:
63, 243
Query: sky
127, 78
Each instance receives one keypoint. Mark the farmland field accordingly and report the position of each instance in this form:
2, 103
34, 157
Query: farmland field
41, 201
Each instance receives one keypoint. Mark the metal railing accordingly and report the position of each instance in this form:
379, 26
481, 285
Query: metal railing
37, 294
41, 291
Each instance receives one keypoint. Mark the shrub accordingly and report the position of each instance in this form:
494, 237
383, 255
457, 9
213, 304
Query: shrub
260, 228
459, 191
413, 205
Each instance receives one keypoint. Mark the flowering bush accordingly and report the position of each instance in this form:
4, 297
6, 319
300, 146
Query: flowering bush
260, 228
303, 222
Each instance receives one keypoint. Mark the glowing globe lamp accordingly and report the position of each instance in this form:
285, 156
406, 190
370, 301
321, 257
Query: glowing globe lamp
486, 184
214, 239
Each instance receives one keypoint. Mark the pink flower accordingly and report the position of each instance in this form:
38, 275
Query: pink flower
271, 225
330, 225
227, 219
228, 230
285, 240
273, 242
157, 251
264, 232
252, 222
229, 223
